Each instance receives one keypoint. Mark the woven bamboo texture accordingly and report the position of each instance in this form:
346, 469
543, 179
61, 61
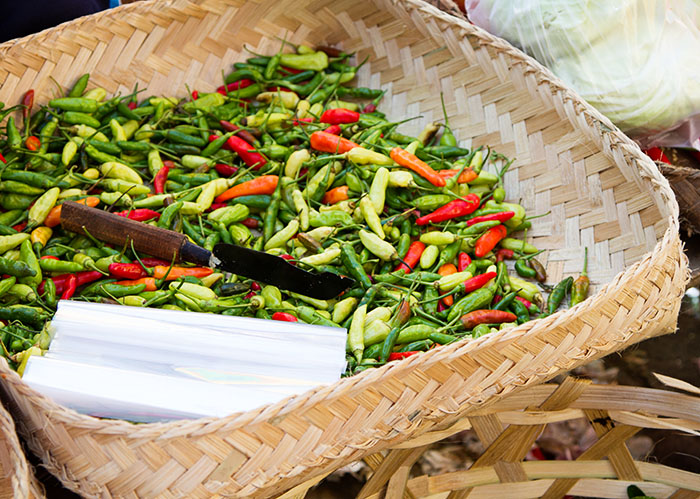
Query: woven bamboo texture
600, 192
509, 428
17, 479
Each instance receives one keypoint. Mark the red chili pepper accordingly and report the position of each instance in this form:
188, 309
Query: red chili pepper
369, 108
302, 121
131, 105
657, 154
127, 270
415, 250
255, 286
289, 258
251, 223
33, 143
236, 85
195, 95
245, 151
501, 217
169, 163
453, 209
489, 240
473, 319
284, 316
160, 179
216, 206
249, 295
334, 129
244, 134
441, 306
154, 262
477, 282
28, 103
524, 301
504, 254
2, 158
291, 70
69, 287
463, 261
20, 226
339, 116
225, 170
83, 277
327, 142
401, 355
140, 215
47, 257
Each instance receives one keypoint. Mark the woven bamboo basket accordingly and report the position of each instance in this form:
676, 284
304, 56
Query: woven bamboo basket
17, 479
601, 192
509, 428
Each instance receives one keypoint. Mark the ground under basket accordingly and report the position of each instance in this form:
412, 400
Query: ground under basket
601, 192
509, 428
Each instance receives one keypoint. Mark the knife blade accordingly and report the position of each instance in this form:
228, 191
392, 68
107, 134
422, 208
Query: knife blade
167, 244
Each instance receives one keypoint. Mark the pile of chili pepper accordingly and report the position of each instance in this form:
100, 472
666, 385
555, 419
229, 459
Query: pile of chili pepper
283, 157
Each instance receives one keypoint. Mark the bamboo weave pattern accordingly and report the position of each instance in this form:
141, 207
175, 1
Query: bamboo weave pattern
601, 192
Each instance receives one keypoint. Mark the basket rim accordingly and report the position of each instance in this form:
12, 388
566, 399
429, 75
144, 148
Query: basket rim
602, 130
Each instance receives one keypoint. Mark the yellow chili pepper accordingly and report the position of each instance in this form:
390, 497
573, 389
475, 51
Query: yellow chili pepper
371, 217
120, 171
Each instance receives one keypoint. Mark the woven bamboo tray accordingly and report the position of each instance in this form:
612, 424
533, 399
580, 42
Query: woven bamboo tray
509, 428
601, 191
17, 479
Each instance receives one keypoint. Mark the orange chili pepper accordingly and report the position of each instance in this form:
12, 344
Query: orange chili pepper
33, 143
467, 175
150, 283
54, 216
160, 271
489, 240
264, 184
447, 269
336, 195
412, 162
327, 142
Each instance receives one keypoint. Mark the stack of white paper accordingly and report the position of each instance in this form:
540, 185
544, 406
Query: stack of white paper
147, 365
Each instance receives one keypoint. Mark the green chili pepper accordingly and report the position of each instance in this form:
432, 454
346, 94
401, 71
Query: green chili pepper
61, 266
23, 313
50, 292
79, 86
27, 256
389, 343
558, 294
506, 301
14, 139
117, 290
18, 269
523, 269
78, 118
475, 300
442, 338
350, 261
520, 311
80, 104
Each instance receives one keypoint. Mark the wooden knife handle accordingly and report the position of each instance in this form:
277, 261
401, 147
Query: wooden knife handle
154, 241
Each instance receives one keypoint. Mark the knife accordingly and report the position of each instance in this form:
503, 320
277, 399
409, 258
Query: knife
166, 244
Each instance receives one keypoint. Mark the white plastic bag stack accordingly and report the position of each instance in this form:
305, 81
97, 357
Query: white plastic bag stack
636, 61
147, 365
